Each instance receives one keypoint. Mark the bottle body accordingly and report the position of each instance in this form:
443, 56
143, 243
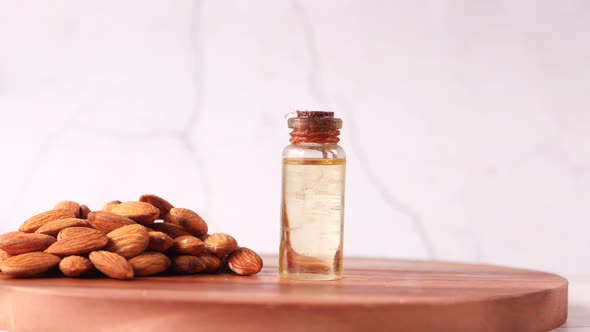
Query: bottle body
312, 216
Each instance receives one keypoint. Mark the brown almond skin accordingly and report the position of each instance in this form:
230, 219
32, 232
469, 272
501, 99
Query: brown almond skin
163, 205
159, 241
54, 227
110, 205
71, 206
149, 263
108, 221
29, 265
141, 212
244, 262
187, 219
211, 261
3, 256
220, 244
83, 241
128, 241
187, 245
84, 211
36, 221
172, 230
75, 266
16, 243
188, 264
72, 231
111, 264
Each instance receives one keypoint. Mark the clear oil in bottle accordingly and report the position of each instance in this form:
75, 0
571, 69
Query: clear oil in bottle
312, 215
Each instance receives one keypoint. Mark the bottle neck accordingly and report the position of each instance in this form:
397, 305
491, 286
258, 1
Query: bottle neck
325, 136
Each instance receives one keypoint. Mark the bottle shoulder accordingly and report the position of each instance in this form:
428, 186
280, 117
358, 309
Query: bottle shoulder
314, 151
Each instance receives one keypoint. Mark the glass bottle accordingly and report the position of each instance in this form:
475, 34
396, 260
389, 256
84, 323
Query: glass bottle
312, 216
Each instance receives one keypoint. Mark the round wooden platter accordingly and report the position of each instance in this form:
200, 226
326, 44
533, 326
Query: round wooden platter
375, 295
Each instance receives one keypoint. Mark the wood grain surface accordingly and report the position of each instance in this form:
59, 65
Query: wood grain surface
375, 295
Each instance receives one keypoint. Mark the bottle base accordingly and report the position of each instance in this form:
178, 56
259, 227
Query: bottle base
310, 276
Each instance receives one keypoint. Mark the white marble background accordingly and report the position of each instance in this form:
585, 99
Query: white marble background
466, 122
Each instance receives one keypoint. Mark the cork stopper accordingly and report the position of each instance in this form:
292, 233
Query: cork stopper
314, 114
314, 121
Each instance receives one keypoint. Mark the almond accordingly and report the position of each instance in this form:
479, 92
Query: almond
188, 264
171, 230
128, 241
72, 231
29, 264
75, 266
36, 221
71, 206
16, 243
107, 221
83, 241
159, 241
110, 205
163, 205
187, 245
3, 256
149, 263
211, 261
54, 227
244, 262
140, 212
84, 211
111, 264
188, 220
220, 244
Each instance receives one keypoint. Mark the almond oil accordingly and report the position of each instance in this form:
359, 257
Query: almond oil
313, 186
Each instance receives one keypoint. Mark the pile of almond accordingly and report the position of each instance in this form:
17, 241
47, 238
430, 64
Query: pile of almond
121, 241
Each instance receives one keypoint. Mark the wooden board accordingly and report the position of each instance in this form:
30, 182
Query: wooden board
375, 295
